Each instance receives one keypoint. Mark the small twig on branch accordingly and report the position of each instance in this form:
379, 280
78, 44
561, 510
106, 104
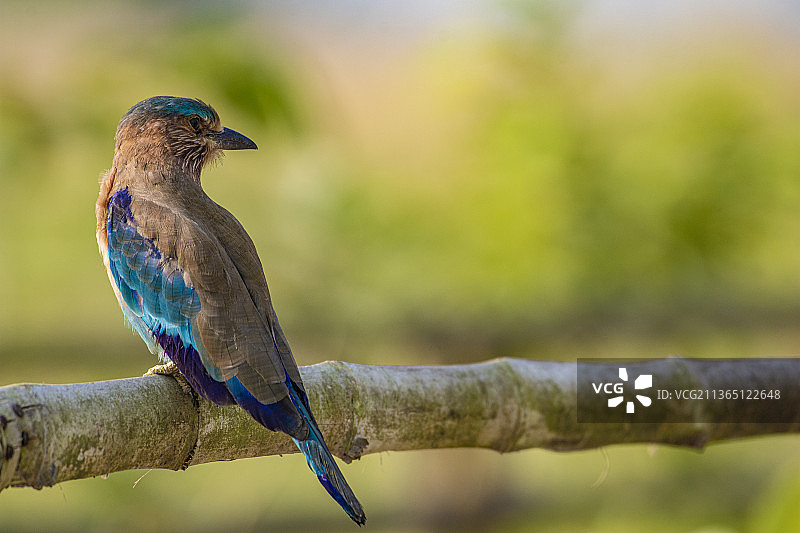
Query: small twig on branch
55, 433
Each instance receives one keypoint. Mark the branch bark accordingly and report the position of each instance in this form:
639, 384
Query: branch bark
55, 433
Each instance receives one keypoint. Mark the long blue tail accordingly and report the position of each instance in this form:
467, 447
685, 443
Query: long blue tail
321, 461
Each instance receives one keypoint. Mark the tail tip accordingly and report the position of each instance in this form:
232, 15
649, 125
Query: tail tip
350, 504
357, 516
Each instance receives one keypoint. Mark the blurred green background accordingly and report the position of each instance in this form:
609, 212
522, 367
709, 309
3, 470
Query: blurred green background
437, 182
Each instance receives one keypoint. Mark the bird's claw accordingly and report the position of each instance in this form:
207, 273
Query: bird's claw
169, 369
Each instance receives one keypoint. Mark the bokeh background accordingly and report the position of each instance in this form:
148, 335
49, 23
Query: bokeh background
437, 182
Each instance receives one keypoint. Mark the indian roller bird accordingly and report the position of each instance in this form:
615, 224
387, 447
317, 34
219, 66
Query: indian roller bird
188, 278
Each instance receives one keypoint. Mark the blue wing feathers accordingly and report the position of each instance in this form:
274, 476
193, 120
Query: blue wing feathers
162, 299
149, 272
160, 305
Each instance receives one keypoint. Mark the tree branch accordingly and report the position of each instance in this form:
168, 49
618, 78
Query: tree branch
55, 433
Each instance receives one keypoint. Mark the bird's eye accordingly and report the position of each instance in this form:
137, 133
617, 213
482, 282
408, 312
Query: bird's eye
194, 122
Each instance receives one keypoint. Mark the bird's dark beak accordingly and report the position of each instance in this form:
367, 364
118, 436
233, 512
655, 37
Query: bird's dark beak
227, 139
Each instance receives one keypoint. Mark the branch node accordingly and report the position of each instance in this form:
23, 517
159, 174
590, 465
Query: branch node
355, 450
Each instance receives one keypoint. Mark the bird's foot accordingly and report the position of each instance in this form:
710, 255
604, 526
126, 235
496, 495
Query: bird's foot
169, 369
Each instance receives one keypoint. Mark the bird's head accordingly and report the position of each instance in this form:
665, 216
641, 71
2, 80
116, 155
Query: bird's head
173, 131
